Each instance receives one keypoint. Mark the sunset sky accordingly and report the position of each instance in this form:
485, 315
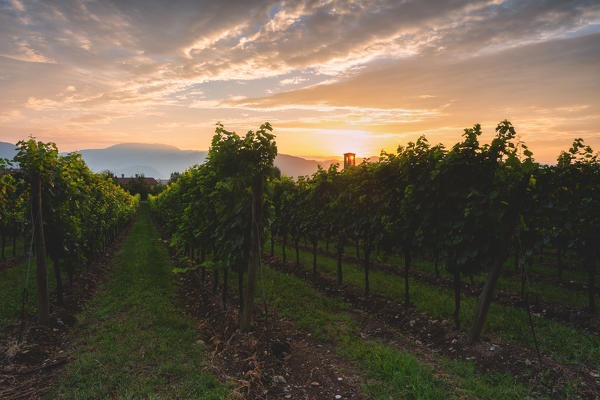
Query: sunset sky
331, 76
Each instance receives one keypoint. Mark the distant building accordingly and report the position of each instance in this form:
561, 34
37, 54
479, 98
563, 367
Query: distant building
349, 160
10, 171
123, 181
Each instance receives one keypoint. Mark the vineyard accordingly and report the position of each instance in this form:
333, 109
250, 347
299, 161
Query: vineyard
462, 272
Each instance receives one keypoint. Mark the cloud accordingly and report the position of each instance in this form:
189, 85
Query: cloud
36, 104
205, 104
10, 115
17, 5
550, 73
96, 118
239, 40
548, 88
398, 66
292, 81
24, 52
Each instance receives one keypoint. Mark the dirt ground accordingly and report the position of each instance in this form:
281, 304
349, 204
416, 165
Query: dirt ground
275, 361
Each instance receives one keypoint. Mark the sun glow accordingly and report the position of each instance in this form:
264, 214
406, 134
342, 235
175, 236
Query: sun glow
339, 141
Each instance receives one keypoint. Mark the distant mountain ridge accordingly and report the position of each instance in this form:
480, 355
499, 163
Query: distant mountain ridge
160, 160
152, 160
7, 150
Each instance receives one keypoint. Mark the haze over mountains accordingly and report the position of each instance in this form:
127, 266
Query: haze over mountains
7, 150
160, 160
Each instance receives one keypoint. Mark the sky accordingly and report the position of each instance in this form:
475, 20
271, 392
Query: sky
330, 76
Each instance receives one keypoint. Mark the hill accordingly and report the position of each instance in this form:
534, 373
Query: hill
159, 160
7, 150
152, 160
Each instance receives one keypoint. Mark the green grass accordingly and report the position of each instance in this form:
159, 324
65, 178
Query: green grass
547, 291
388, 372
566, 343
12, 281
548, 268
8, 249
132, 341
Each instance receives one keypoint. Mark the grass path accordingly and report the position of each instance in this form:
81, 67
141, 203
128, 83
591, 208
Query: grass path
132, 341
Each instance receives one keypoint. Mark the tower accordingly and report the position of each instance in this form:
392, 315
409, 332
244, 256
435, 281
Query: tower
349, 160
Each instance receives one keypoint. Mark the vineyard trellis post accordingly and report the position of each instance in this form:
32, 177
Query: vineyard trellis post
255, 248
40, 249
485, 299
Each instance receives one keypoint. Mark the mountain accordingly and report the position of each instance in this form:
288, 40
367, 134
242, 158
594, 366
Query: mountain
159, 160
297, 166
152, 160
7, 150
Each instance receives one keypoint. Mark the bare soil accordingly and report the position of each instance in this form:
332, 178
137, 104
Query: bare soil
276, 360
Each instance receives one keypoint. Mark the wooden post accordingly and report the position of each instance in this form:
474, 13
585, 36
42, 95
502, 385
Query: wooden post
58, 277
225, 282
202, 259
407, 261
591, 268
560, 264
296, 244
283, 255
255, 248
40, 250
14, 243
367, 254
340, 250
215, 280
241, 287
314, 256
484, 301
457, 298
